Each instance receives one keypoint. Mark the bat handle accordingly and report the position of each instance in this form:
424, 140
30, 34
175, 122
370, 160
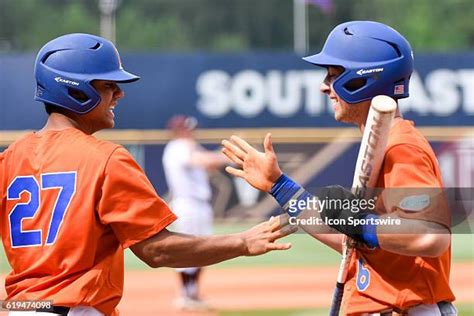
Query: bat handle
337, 299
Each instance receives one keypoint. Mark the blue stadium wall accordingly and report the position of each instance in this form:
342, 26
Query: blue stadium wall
244, 90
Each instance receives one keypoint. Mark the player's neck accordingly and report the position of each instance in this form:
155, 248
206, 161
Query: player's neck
58, 122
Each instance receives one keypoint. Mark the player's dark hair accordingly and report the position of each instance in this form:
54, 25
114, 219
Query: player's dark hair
51, 108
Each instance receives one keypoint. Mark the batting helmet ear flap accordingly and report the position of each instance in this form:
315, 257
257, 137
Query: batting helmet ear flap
59, 88
68, 64
371, 51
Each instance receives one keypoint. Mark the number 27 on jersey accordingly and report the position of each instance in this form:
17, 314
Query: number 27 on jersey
64, 181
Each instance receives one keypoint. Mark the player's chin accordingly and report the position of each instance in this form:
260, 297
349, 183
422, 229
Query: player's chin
342, 117
109, 123
338, 116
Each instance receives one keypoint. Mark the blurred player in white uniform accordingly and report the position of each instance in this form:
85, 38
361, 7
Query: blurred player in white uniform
186, 165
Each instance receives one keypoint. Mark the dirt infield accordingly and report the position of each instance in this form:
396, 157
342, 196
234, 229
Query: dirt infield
152, 292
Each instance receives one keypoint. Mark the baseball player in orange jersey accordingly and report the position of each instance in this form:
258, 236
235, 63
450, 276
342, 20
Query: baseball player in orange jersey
70, 203
393, 271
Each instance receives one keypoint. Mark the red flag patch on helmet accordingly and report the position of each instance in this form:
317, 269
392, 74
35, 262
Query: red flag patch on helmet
399, 89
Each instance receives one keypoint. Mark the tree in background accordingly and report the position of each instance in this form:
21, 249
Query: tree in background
232, 25
26, 25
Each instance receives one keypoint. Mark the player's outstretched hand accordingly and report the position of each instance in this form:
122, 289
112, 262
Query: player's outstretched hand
259, 169
261, 238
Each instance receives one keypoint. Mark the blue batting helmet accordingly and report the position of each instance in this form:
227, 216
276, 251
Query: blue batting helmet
67, 65
372, 54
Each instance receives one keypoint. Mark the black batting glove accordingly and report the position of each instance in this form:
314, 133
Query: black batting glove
341, 211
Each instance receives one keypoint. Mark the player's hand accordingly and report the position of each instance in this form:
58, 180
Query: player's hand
261, 238
259, 169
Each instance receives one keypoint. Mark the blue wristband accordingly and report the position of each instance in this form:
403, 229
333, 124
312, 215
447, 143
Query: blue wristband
284, 190
369, 232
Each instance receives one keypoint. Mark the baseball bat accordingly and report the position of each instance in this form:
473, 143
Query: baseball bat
369, 162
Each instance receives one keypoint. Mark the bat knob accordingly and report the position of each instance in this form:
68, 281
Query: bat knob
384, 104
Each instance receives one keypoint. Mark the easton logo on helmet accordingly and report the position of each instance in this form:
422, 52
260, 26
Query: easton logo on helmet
368, 71
59, 79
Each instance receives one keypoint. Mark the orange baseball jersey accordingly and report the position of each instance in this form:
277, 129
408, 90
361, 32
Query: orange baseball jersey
70, 205
379, 279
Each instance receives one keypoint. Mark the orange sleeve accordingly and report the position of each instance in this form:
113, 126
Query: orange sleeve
412, 188
2, 172
129, 203
409, 166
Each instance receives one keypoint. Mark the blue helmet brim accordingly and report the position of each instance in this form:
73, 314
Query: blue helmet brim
119, 75
323, 60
